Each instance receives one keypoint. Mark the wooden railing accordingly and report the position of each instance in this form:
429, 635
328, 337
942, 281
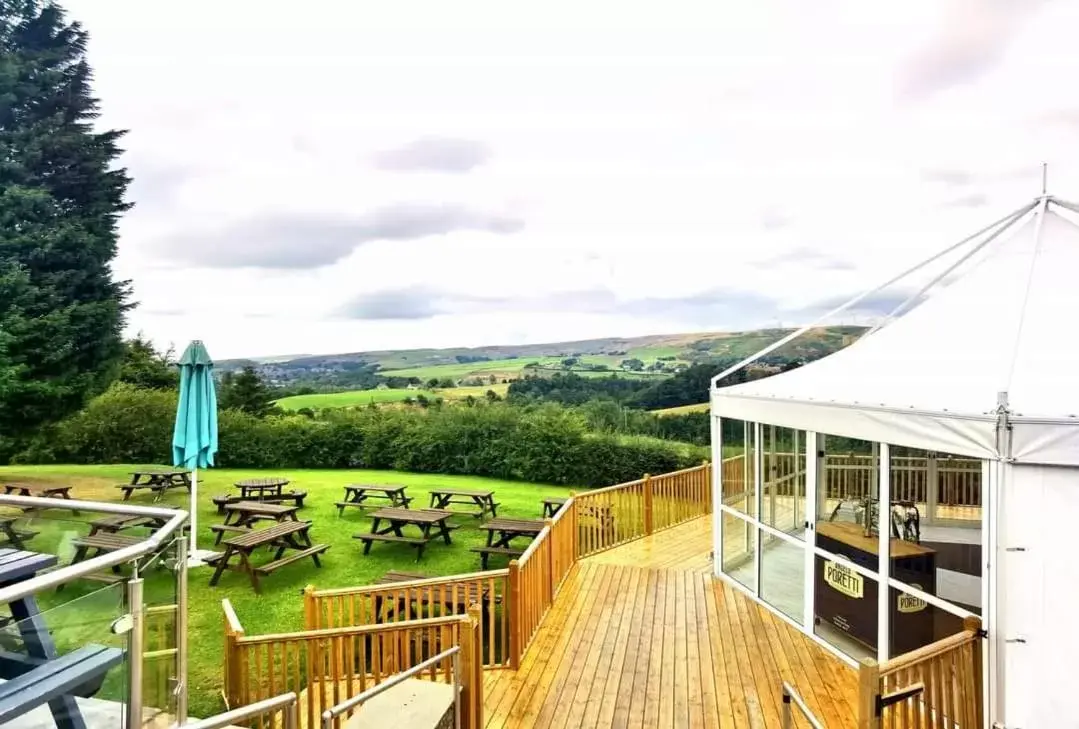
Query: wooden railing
326, 666
935, 687
593, 522
420, 600
851, 476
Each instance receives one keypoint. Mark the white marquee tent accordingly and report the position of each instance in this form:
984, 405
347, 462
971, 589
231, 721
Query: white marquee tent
986, 367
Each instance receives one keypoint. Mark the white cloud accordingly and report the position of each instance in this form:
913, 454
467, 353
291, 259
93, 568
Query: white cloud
653, 156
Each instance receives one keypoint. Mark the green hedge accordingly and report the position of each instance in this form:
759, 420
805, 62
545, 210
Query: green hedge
547, 444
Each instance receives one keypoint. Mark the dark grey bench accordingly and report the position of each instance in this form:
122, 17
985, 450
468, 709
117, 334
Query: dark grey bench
79, 673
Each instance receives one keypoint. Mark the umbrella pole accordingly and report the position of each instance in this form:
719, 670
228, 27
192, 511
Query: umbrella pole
193, 514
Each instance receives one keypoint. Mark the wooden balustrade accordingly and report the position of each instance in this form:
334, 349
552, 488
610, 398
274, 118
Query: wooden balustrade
329, 665
420, 600
949, 673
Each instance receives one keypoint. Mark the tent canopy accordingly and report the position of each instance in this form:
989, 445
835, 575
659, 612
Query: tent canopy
934, 377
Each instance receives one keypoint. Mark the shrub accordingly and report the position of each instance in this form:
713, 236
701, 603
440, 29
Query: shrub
546, 443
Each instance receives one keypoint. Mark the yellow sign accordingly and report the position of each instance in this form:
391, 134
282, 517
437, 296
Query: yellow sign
910, 604
844, 579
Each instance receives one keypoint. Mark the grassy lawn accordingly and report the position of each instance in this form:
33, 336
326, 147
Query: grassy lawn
359, 398
279, 607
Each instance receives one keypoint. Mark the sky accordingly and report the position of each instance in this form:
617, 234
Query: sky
349, 175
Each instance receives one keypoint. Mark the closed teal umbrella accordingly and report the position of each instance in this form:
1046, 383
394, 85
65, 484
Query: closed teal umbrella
194, 438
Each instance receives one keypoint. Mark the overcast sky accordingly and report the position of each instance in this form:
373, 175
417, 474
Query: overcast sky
343, 175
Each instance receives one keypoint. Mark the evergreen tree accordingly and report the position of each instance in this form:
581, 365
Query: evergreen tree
245, 391
143, 366
61, 311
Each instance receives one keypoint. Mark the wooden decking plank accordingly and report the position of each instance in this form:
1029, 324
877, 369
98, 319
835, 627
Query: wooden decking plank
620, 671
694, 681
556, 631
593, 668
651, 713
638, 696
545, 672
572, 659
612, 652
641, 636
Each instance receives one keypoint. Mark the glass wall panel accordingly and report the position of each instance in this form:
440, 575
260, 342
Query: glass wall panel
915, 623
940, 556
848, 505
739, 547
783, 576
738, 468
783, 486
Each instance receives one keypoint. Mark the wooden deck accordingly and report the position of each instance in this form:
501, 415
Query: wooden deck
642, 636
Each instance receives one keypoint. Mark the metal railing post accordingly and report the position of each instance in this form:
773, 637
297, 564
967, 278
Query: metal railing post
181, 630
135, 652
788, 717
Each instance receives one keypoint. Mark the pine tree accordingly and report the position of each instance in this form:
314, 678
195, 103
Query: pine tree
245, 391
61, 310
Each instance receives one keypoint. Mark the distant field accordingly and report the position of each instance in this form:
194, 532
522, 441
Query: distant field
355, 398
513, 368
682, 409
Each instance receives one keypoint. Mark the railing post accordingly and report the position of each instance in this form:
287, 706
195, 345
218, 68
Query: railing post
310, 609
868, 693
974, 625
180, 626
516, 614
475, 669
932, 487
574, 532
648, 515
135, 651
706, 486
551, 581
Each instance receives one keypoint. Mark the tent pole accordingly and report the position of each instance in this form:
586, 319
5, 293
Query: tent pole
937, 279
851, 302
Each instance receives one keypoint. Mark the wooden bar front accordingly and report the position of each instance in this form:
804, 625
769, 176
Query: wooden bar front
848, 602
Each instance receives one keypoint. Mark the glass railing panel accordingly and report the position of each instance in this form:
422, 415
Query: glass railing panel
160, 648
84, 637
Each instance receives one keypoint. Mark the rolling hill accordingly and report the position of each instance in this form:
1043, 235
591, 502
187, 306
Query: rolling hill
649, 356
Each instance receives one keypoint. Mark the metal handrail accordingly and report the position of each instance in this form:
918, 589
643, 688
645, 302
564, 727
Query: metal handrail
229, 718
71, 572
335, 711
790, 696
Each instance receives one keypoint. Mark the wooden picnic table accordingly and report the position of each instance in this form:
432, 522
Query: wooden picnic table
157, 480
283, 536
432, 524
42, 491
357, 493
120, 522
10, 534
507, 530
243, 515
39, 674
552, 505
465, 597
257, 488
484, 501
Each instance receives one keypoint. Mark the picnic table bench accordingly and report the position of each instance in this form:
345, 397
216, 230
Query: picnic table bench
43, 491
253, 488
507, 530
425, 519
243, 515
484, 501
357, 493
284, 536
120, 522
9, 534
38, 675
465, 597
157, 480
552, 505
